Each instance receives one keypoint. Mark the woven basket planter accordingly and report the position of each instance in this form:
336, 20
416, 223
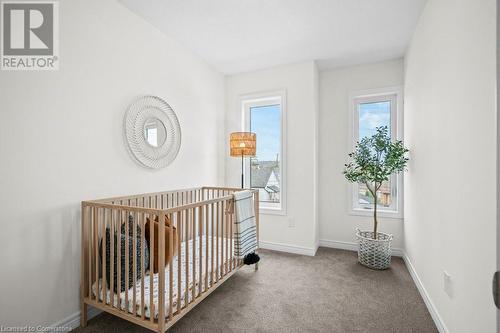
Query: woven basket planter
374, 253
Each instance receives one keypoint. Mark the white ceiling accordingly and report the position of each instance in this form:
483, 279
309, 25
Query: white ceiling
242, 35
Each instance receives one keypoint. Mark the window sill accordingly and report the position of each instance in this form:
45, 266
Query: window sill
272, 211
381, 213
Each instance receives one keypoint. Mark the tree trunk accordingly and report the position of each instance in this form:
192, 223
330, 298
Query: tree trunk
375, 222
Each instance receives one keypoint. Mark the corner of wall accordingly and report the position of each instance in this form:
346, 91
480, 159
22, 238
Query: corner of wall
316, 153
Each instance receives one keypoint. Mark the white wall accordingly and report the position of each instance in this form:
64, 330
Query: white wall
301, 92
336, 224
450, 187
61, 142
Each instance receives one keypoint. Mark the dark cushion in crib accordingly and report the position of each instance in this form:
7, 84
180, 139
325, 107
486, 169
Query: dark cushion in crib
131, 241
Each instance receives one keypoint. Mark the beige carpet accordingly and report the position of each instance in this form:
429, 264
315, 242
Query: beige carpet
330, 292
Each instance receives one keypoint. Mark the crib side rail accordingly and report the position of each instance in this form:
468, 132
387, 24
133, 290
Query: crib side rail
157, 200
114, 270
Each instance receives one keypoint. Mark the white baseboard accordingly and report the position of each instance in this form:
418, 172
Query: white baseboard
425, 296
307, 251
351, 246
338, 245
73, 321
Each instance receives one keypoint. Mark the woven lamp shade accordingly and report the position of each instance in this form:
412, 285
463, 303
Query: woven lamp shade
243, 144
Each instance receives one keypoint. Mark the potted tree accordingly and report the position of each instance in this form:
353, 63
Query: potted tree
373, 161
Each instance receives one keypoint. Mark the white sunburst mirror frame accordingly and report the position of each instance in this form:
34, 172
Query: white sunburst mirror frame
140, 113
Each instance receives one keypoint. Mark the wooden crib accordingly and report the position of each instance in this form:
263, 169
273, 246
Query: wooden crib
203, 221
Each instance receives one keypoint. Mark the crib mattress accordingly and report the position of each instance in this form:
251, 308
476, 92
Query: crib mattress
146, 280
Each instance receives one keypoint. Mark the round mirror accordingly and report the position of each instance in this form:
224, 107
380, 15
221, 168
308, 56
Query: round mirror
152, 132
155, 132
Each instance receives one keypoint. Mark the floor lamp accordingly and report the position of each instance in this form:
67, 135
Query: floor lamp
243, 144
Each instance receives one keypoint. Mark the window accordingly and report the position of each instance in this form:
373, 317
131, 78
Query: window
370, 110
263, 115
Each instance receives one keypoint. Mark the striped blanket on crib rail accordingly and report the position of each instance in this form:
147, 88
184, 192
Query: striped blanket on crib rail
246, 231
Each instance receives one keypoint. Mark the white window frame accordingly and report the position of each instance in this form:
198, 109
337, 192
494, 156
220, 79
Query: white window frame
262, 99
395, 96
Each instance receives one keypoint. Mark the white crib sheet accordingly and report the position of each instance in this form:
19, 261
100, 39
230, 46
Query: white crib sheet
146, 279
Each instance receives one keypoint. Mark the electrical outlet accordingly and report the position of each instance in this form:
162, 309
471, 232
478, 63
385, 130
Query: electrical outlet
447, 284
291, 222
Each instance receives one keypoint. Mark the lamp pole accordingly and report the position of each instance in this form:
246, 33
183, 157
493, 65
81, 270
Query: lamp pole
242, 181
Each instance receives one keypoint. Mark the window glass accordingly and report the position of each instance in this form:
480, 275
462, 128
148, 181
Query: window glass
265, 121
373, 115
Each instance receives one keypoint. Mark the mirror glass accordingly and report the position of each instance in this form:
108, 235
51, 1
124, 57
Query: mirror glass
155, 132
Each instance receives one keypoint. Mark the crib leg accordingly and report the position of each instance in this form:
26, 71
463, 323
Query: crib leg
257, 263
83, 315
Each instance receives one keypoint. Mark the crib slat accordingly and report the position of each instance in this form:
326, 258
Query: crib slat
161, 271
200, 246
89, 237
212, 233
151, 266
231, 245
112, 258
103, 250
223, 219
119, 258
179, 261
257, 215
193, 237
231, 203
217, 242
226, 215
228, 205
205, 215
119, 262
186, 246
171, 268
127, 260
134, 262
143, 273
96, 253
